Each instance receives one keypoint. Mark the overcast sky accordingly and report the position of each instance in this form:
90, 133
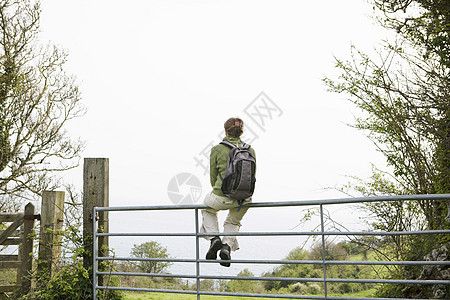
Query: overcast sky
159, 79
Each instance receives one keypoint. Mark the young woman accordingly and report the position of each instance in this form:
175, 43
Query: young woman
216, 200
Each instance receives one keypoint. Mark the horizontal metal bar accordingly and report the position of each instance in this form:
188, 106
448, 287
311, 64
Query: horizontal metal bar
211, 277
282, 262
284, 233
275, 296
241, 294
263, 278
146, 234
145, 290
390, 281
335, 280
289, 203
333, 262
296, 296
187, 260
147, 274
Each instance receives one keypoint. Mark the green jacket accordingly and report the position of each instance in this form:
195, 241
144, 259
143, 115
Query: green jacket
218, 162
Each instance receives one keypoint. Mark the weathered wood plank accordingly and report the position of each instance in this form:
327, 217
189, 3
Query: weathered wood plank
9, 257
4, 217
95, 193
14, 234
8, 288
52, 218
10, 230
12, 242
10, 264
27, 250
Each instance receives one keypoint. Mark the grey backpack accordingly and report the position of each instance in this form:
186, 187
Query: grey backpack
239, 180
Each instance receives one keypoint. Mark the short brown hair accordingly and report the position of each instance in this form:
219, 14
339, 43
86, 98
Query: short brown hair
234, 127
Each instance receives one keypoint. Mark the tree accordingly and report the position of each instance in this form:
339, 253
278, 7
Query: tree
152, 250
423, 22
291, 270
37, 99
404, 98
333, 251
244, 286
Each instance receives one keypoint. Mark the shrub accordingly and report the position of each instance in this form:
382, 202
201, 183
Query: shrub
71, 282
314, 289
151, 250
244, 286
298, 288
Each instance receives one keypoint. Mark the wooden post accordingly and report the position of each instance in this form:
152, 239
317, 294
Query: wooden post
95, 193
52, 216
27, 248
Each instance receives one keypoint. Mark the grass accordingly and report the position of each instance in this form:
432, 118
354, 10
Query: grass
166, 296
367, 293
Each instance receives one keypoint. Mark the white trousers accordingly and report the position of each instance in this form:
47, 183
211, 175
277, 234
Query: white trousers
232, 222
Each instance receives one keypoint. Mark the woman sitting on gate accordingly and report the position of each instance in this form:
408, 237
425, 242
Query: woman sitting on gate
226, 194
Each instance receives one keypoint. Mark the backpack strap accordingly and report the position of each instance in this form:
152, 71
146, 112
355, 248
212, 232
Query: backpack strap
231, 145
227, 143
240, 204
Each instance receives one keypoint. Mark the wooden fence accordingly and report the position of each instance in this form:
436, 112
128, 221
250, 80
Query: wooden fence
20, 233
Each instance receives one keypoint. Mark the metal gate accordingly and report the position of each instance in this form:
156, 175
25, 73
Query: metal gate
322, 234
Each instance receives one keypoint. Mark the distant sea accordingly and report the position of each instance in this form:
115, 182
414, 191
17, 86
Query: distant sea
251, 247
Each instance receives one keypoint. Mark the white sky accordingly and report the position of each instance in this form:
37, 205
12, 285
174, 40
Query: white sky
159, 78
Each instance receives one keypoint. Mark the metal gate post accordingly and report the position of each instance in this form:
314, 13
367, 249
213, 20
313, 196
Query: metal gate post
322, 227
197, 255
94, 254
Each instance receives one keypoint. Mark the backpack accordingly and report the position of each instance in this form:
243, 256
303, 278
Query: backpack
239, 180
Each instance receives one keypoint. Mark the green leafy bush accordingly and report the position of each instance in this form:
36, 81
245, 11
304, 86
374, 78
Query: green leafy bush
71, 282
244, 286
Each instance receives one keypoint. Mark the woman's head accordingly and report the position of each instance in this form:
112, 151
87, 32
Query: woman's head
234, 127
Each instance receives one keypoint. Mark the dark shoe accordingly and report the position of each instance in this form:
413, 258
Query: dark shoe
216, 244
225, 254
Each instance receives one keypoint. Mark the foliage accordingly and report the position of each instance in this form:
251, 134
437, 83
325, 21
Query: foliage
423, 22
37, 99
71, 280
403, 95
244, 286
147, 282
248, 285
404, 103
8, 276
152, 250
333, 251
